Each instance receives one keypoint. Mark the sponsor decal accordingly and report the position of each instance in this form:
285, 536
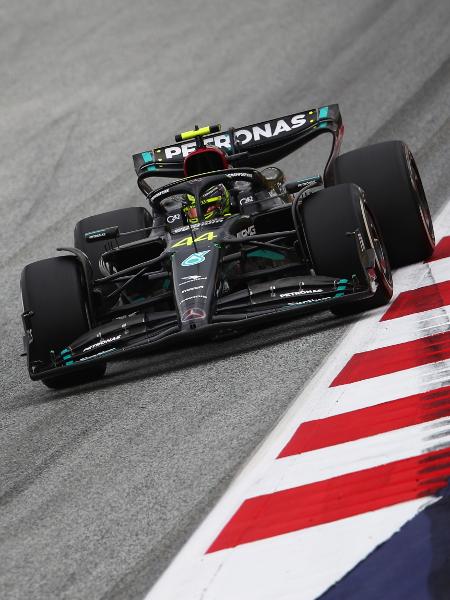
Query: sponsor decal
244, 136
246, 232
158, 194
240, 175
192, 279
195, 259
193, 314
173, 218
246, 200
96, 234
188, 241
181, 150
269, 129
191, 289
300, 293
98, 354
193, 298
102, 343
104, 233
310, 301
197, 225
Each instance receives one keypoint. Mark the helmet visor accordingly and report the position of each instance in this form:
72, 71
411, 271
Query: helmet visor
211, 207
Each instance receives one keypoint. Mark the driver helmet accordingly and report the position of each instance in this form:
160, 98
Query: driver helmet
215, 203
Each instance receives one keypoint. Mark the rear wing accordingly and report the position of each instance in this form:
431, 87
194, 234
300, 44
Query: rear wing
257, 145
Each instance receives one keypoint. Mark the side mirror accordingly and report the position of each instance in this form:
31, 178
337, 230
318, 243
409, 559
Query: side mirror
300, 184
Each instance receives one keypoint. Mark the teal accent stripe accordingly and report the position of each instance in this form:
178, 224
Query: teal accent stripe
341, 288
148, 157
65, 351
323, 114
269, 254
69, 362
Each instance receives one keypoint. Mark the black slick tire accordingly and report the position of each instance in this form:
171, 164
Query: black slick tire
54, 291
388, 174
328, 217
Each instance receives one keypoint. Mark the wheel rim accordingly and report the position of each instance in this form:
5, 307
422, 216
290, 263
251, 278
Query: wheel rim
416, 183
377, 244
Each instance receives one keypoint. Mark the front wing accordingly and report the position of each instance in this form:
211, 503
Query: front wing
148, 331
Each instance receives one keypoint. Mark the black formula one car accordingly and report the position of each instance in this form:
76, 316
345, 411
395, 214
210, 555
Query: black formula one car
228, 244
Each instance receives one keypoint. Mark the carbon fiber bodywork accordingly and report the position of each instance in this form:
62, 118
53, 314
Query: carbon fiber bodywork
195, 304
216, 277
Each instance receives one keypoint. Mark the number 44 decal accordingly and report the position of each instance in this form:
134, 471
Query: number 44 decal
188, 241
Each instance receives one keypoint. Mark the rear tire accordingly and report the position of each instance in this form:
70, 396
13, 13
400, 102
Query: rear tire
328, 216
55, 292
391, 182
127, 219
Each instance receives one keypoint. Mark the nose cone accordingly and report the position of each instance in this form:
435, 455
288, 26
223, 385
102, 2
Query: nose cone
194, 279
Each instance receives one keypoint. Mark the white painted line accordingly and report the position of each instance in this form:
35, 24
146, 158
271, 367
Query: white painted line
365, 453
295, 566
394, 386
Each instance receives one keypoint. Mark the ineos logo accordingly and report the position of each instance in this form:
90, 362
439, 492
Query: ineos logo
245, 232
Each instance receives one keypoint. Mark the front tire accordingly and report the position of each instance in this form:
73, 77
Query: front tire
54, 291
328, 217
388, 174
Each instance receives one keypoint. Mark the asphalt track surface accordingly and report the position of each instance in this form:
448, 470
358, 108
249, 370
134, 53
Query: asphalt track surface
101, 485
